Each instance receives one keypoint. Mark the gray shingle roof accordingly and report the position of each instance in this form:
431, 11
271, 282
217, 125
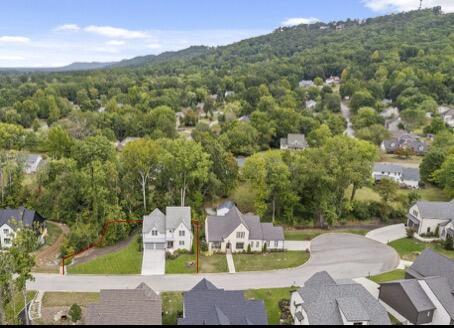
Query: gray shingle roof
440, 287
323, 299
140, 306
432, 264
407, 173
294, 141
436, 210
220, 227
19, 216
407, 140
207, 305
173, 218
415, 294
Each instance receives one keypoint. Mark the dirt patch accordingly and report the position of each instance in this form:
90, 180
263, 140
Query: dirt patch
48, 257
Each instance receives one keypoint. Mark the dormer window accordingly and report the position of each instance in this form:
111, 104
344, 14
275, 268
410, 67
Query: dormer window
154, 232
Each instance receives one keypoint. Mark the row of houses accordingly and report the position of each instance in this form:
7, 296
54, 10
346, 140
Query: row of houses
229, 230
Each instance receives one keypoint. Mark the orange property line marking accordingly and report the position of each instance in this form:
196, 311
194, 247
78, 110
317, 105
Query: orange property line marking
103, 234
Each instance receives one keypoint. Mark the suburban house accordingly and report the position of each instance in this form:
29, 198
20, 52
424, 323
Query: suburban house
235, 232
404, 141
325, 301
240, 161
404, 176
426, 296
140, 306
170, 232
224, 208
13, 219
32, 162
332, 80
294, 142
205, 304
427, 217
448, 115
311, 104
306, 83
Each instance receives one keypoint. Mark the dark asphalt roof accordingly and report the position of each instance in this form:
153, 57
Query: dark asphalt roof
415, 293
20, 215
324, 299
207, 305
140, 306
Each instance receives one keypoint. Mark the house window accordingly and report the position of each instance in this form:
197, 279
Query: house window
415, 213
217, 245
271, 243
182, 233
154, 232
257, 244
5, 231
7, 241
240, 234
181, 243
428, 230
239, 245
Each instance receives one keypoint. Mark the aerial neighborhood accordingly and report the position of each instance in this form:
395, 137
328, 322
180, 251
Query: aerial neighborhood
303, 176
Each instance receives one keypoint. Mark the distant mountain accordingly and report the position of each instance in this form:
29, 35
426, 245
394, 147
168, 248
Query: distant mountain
188, 53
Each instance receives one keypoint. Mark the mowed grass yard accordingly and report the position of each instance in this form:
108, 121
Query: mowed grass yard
186, 263
125, 261
389, 276
409, 249
172, 304
309, 234
52, 299
269, 261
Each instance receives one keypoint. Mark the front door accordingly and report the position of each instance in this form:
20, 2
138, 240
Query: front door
170, 244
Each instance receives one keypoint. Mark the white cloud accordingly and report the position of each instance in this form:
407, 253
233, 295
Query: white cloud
14, 39
11, 58
154, 46
406, 5
115, 32
299, 20
115, 43
67, 28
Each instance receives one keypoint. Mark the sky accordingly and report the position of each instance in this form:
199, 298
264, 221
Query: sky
52, 33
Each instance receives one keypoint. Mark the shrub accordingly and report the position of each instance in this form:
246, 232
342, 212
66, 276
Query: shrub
448, 244
75, 313
410, 233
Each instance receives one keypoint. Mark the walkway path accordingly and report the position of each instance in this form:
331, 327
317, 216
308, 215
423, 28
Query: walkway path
230, 262
295, 245
345, 110
344, 256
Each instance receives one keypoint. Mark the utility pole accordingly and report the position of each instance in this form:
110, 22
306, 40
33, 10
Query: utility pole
420, 4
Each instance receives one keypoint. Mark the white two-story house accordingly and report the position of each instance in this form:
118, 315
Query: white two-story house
170, 232
13, 219
428, 217
235, 232
405, 176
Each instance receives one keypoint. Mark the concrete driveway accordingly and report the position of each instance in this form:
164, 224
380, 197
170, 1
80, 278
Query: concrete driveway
344, 256
388, 234
154, 262
296, 245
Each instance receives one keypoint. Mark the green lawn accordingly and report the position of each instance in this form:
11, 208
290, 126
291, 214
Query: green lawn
172, 304
13, 309
172, 308
391, 158
269, 261
309, 234
409, 249
389, 276
125, 261
430, 193
53, 232
52, 299
186, 263
271, 297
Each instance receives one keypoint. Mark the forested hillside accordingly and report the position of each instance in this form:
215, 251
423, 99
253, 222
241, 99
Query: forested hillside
236, 100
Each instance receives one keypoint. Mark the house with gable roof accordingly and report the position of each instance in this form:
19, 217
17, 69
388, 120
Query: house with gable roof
427, 217
294, 142
325, 301
235, 232
205, 304
170, 232
426, 296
